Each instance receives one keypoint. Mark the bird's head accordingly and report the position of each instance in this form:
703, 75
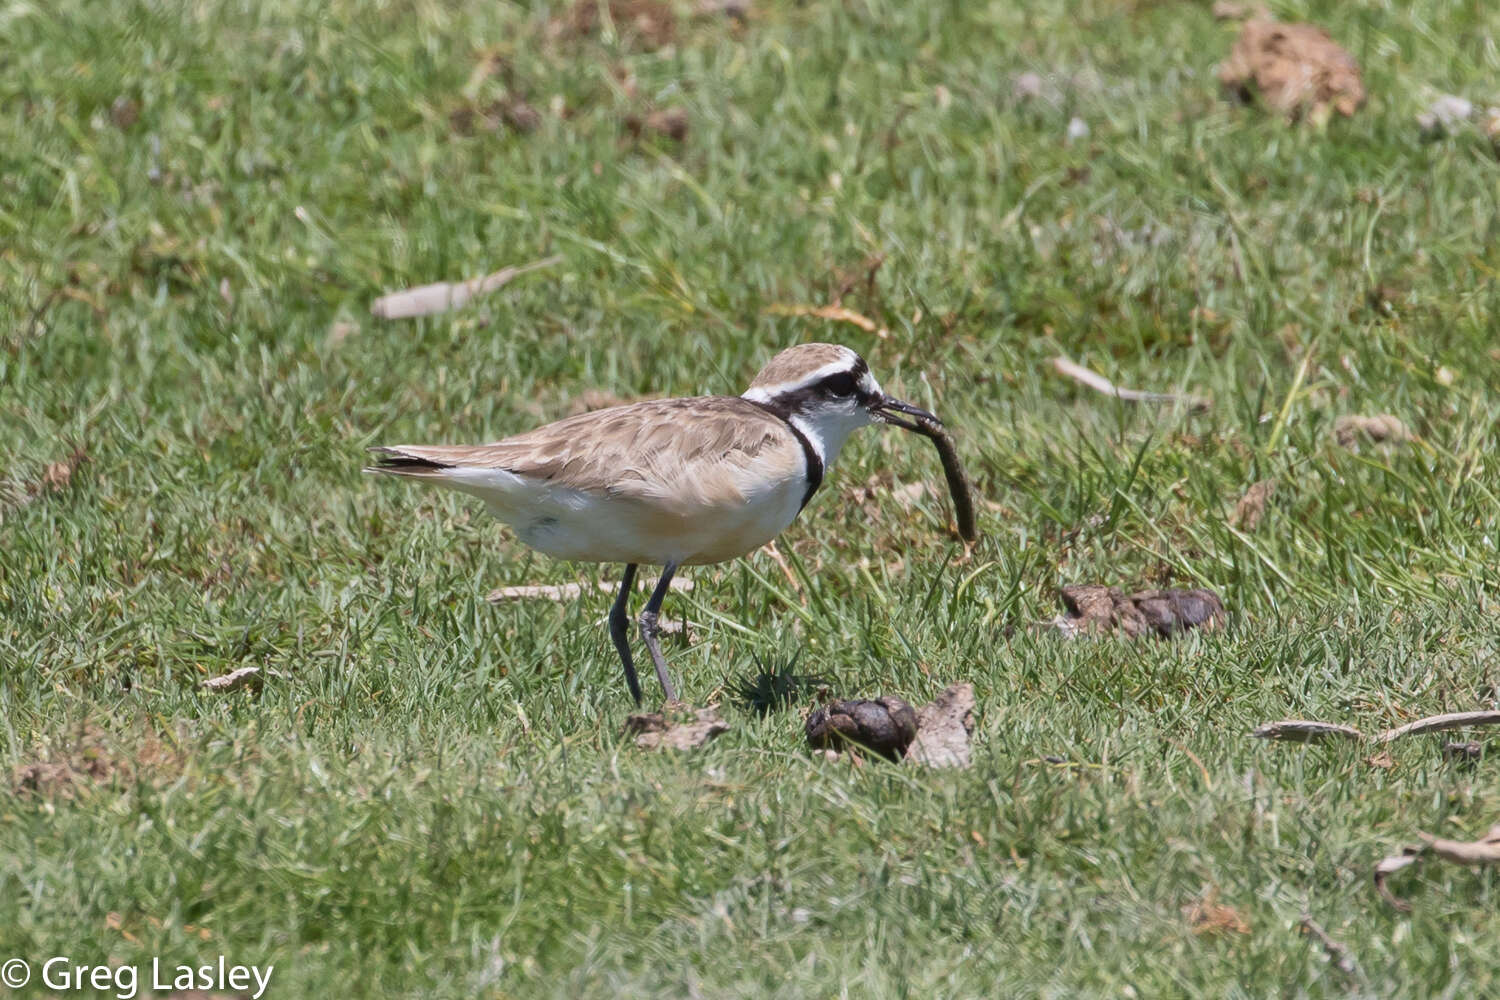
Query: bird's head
827, 392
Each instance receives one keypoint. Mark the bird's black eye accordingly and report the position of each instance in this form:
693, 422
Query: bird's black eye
841, 385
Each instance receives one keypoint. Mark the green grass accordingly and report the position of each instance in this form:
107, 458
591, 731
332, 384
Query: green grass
435, 799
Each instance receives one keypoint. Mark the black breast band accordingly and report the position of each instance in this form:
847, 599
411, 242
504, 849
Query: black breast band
809, 453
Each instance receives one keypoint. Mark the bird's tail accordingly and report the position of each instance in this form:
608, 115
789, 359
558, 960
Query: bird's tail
410, 461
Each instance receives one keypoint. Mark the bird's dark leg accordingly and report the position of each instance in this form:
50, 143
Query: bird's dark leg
619, 631
650, 630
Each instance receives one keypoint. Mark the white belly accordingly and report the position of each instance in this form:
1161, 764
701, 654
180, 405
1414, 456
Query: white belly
586, 527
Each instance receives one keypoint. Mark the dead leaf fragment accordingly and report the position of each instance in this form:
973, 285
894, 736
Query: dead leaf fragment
1252, 506
1350, 430
838, 314
16, 493
235, 680
1297, 69
511, 111
88, 758
1209, 916
427, 299
1236, 10
669, 123
670, 730
945, 727
648, 24
58, 475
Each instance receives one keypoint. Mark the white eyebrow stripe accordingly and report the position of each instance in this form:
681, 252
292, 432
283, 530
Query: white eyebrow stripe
764, 393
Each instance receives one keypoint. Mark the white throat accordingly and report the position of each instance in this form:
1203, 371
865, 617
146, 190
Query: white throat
827, 431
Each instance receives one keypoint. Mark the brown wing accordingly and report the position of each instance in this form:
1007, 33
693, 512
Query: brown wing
659, 449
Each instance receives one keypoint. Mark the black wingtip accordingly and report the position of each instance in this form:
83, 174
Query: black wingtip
392, 460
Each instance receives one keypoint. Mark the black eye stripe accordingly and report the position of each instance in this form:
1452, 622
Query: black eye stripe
840, 384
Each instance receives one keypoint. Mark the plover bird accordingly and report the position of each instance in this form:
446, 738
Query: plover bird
669, 482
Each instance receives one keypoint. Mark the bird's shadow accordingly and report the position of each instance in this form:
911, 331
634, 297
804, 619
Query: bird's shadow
775, 685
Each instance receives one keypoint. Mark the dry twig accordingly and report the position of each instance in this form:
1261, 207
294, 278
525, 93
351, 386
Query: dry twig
1103, 385
1310, 731
1388, 867
1305, 731
427, 299
1438, 724
1484, 851
1337, 952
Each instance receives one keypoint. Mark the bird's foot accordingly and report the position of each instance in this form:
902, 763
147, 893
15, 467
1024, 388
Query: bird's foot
650, 631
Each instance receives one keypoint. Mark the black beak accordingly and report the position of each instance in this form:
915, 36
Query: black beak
888, 406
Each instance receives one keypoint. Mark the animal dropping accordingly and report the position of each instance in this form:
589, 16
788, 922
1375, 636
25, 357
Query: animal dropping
884, 725
678, 482
1093, 609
